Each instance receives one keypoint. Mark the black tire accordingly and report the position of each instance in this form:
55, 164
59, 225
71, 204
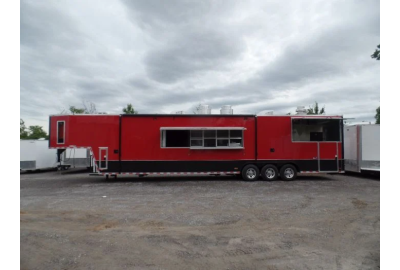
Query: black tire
288, 172
250, 173
269, 172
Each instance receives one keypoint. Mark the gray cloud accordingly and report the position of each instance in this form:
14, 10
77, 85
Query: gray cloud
165, 56
202, 50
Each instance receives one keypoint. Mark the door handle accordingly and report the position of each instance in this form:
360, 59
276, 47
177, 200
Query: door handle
315, 157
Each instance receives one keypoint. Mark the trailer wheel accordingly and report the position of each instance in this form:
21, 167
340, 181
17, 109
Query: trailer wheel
269, 172
250, 173
288, 172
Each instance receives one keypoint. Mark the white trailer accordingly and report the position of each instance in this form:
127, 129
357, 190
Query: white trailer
36, 155
362, 148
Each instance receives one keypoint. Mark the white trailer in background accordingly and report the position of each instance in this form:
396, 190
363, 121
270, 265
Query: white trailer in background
36, 155
362, 148
76, 158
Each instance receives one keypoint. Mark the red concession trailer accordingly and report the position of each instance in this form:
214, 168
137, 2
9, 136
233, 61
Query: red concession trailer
246, 145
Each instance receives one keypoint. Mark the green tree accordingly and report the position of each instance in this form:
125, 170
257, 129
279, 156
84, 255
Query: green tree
315, 109
36, 132
88, 108
129, 109
75, 110
23, 133
378, 115
377, 53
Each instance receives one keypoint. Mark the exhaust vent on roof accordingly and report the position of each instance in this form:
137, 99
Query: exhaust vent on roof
226, 109
301, 110
204, 109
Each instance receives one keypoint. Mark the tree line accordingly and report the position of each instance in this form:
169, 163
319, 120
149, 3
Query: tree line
31, 132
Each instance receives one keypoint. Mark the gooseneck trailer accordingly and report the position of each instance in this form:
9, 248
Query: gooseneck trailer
179, 144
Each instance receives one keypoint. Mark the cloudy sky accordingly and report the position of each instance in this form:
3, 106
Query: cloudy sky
165, 56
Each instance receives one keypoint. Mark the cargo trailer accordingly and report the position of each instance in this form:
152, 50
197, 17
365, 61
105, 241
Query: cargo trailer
362, 148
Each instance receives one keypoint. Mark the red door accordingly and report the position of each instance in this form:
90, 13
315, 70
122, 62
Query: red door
328, 156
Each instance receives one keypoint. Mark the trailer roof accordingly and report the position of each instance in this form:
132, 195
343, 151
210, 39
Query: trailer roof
189, 115
203, 115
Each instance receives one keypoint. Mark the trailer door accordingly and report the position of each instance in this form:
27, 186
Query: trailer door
328, 156
103, 154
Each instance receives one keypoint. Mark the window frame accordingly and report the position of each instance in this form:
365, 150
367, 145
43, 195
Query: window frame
61, 121
340, 123
216, 147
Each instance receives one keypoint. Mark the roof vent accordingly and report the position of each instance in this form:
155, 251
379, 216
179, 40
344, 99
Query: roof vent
204, 109
226, 109
301, 110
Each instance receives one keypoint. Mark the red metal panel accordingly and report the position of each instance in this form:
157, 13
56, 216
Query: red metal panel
276, 132
53, 130
340, 154
141, 138
328, 150
88, 131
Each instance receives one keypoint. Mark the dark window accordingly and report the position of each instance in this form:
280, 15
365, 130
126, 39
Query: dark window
222, 142
196, 143
223, 133
209, 133
235, 142
316, 130
316, 136
196, 134
207, 138
236, 133
60, 132
209, 142
177, 138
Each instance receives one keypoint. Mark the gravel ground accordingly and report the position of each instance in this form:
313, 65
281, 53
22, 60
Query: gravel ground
76, 221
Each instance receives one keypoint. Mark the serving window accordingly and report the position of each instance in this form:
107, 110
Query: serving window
316, 130
202, 138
